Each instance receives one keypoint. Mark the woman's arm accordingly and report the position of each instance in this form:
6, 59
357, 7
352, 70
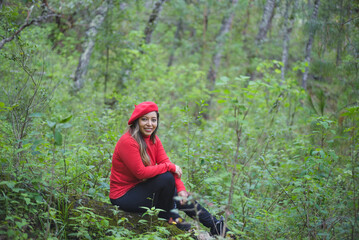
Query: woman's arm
129, 153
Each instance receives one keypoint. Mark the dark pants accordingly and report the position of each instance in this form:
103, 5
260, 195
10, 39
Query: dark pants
159, 192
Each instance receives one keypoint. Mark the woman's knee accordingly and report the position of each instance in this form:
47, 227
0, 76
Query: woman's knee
166, 178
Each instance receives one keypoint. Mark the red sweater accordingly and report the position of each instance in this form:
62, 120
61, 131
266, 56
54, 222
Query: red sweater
127, 167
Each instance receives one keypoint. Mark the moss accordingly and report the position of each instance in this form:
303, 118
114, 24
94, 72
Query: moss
113, 215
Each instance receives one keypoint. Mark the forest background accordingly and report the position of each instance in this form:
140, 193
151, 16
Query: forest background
258, 102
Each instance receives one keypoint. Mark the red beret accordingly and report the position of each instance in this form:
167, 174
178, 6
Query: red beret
142, 109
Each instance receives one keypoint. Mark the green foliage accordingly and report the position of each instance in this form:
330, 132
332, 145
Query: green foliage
25, 210
279, 162
87, 225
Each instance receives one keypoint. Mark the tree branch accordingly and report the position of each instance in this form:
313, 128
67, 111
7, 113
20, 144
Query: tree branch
26, 24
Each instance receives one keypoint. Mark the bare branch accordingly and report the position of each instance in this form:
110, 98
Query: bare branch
25, 25
29, 13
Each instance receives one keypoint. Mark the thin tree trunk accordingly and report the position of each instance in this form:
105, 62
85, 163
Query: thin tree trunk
266, 21
340, 35
287, 30
106, 72
106, 75
151, 24
248, 14
308, 49
204, 35
177, 42
89, 44
108, 30
216, 58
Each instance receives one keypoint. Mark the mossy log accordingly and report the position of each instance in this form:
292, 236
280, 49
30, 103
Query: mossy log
133, 219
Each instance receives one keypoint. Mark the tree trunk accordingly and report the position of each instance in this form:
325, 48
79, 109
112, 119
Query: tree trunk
177, 42
340, 35
216, 58
89, 44
106, 73
287, 30
248, 14
204, 35
308, 49
266, 21
108, 30
151, 24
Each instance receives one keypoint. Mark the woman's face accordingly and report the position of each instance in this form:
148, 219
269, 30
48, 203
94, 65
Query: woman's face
148, 123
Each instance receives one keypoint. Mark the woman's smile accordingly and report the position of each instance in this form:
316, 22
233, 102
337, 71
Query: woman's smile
148, 123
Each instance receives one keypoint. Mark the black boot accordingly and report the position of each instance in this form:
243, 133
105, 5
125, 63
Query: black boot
217, 229
180, 223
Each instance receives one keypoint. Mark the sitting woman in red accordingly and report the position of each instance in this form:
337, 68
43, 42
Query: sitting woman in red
143, 176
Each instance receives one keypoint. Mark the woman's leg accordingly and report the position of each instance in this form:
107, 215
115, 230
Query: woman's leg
157, 191
195, 210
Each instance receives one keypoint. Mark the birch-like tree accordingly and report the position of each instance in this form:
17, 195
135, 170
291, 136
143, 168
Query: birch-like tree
88, 45
266, 21
308, 48
151, 24
217, 55
177, 41
289, 16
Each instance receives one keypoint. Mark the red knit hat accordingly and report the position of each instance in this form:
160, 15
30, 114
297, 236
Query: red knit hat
142, 109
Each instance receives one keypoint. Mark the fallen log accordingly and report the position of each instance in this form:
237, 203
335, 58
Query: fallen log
133, 220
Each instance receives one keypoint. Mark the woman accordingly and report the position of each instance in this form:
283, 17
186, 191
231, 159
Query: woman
143, 176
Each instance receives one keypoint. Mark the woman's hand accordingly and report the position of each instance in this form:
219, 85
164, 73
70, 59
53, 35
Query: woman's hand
184, 195
178, 171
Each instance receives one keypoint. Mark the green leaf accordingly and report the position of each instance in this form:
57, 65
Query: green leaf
38, 199
311, 104
8, 184
51, 124
27, 200
227, 91
36, 115
66, 125
58, 138
2, 107
352, 111
17, 190
142, 221
224, 79
66, 119
324, 124
21, 224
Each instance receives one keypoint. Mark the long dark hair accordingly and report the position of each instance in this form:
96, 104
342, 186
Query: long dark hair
134, 130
